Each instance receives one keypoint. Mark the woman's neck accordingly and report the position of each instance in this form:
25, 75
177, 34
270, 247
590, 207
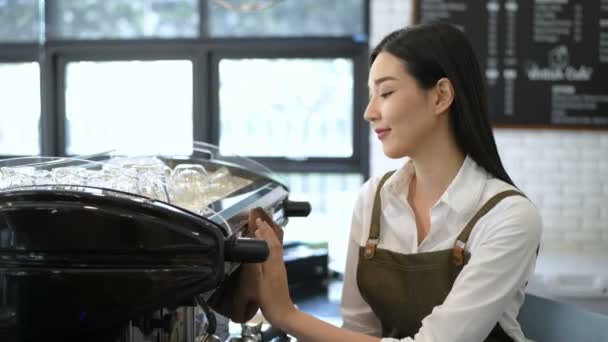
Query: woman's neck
435, 168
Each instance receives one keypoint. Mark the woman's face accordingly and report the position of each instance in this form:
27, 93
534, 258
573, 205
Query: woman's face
399, 110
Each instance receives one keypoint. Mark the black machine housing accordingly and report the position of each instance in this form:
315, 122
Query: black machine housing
81, 262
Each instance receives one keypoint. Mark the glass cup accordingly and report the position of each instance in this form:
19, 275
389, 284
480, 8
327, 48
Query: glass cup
187, 185
18, 176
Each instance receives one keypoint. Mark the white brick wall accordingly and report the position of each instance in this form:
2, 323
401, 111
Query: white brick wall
565, 173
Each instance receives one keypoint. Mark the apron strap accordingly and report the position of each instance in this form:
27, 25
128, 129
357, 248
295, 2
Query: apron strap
374, 228
463, 238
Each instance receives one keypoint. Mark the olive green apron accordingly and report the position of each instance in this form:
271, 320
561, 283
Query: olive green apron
402, 289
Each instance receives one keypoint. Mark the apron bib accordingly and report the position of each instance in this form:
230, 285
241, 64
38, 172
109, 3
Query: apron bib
402, 289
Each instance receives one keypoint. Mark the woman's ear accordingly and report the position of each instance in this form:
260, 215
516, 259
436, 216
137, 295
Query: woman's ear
445, 96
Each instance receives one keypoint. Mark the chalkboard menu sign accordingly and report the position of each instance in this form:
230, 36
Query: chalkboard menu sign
546, 61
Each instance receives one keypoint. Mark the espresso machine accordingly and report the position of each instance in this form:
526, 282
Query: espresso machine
105, 248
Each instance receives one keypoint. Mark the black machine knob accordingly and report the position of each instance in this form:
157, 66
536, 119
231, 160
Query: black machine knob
296, 209
246, 250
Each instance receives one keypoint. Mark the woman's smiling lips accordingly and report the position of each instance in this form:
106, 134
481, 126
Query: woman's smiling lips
382, 132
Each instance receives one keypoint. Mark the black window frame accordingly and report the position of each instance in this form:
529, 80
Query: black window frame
204, 53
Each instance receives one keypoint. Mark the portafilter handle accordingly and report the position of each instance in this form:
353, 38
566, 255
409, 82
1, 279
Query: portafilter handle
296, 209
246, 250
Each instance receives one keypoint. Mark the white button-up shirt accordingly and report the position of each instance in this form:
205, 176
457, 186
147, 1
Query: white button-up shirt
489, 289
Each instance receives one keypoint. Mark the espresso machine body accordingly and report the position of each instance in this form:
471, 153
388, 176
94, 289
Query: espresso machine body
84, 262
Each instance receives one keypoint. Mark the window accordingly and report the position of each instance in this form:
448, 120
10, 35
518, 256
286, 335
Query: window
332, 198
133, 107
19, 20
19, 108
294, 108
124, 19
287, 18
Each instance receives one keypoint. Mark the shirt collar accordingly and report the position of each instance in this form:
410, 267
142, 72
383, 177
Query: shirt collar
400, 180
462, 195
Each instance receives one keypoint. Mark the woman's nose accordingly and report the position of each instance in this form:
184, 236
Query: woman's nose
371, 112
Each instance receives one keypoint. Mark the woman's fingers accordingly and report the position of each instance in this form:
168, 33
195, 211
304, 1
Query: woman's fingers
278, 231
273, 291
266, 232
258, 213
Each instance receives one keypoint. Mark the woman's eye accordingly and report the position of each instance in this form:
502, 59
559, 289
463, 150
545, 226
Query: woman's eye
386, 94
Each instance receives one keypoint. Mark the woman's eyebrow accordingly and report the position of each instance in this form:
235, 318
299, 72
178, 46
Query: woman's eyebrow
379, 80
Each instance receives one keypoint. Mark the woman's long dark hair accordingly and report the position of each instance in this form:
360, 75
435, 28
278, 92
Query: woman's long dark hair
437, 50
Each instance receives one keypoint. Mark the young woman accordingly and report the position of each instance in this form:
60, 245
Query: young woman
441, 249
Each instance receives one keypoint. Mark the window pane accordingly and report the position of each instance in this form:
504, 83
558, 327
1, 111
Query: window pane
135, 107
18, 20
287, 18
116, 19
286, 107
19, 108
332, 198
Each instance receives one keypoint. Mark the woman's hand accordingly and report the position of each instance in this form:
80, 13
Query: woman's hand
237, 297
252, 223
273, 292
245, 299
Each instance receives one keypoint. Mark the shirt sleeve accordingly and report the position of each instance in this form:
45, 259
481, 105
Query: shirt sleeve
357, 315
499, 266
